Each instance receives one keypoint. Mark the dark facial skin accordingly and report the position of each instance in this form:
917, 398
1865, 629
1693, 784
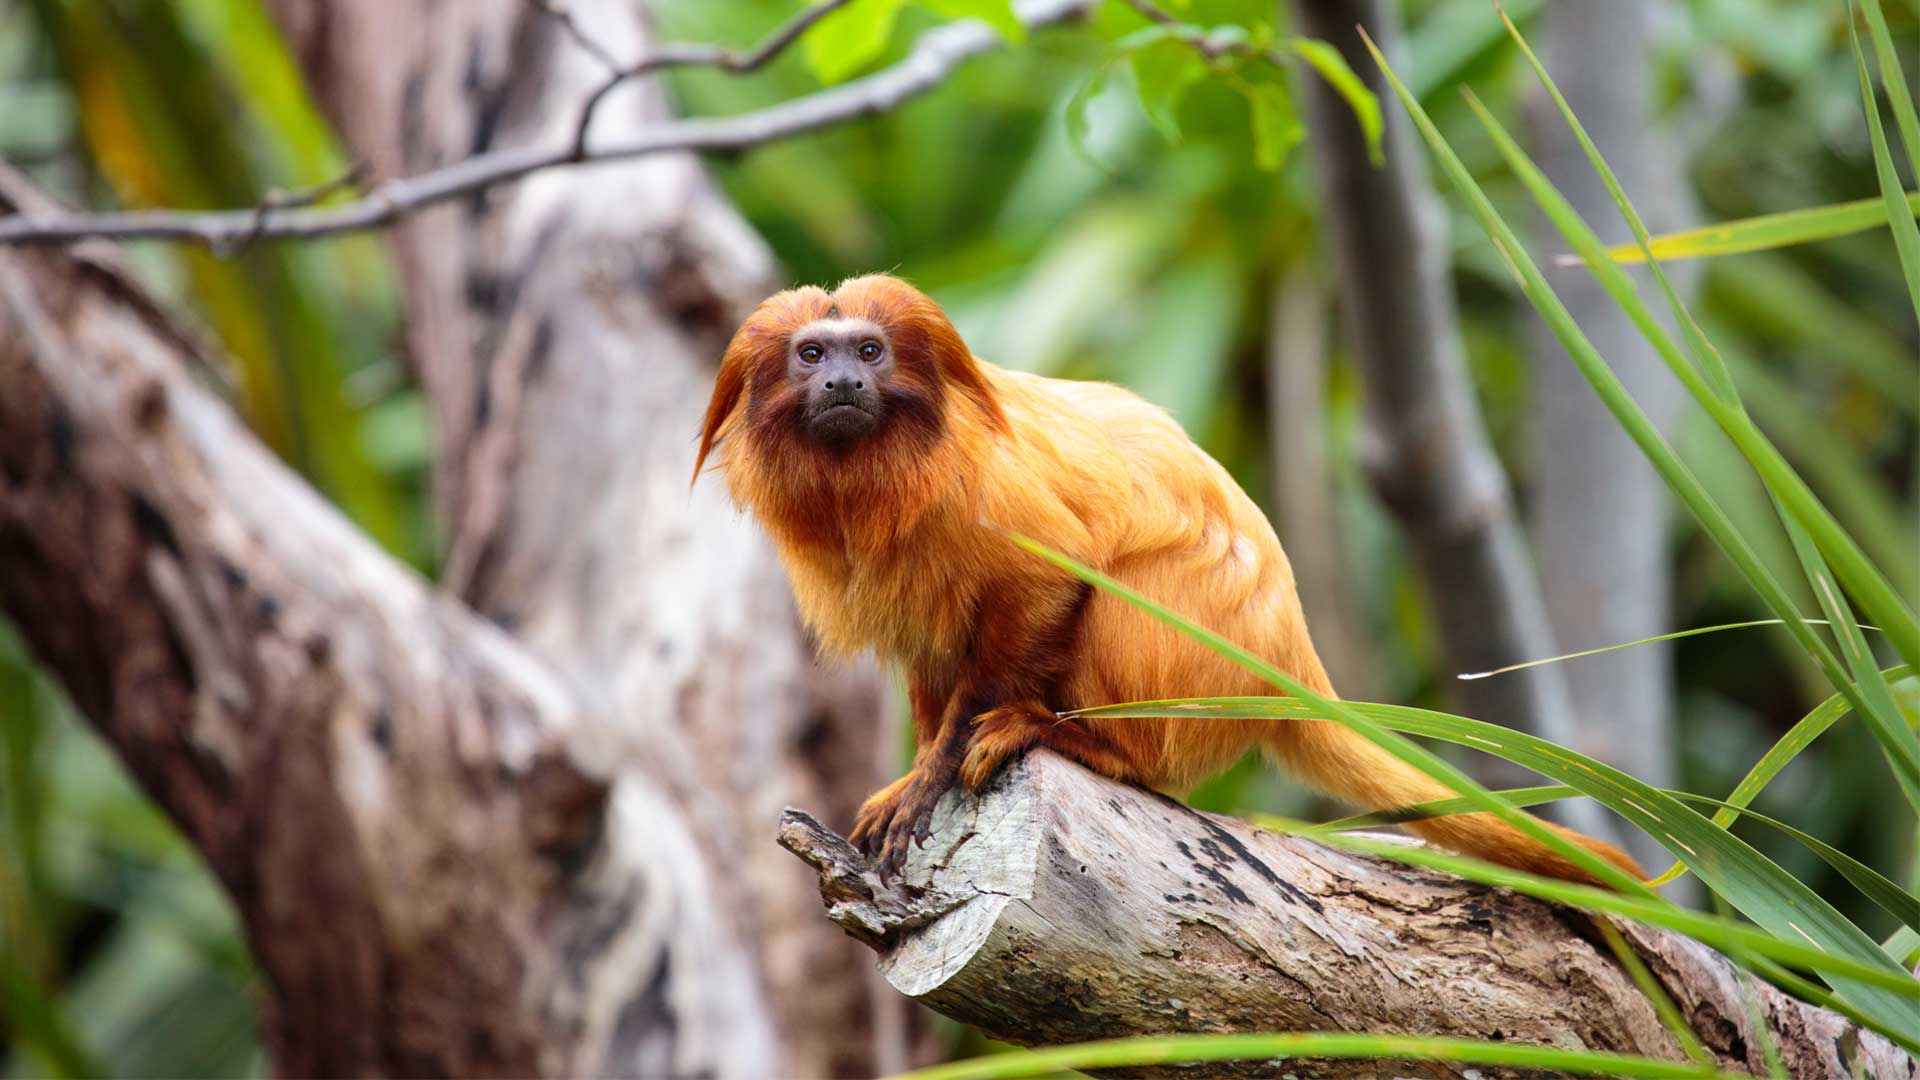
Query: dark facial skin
840, 368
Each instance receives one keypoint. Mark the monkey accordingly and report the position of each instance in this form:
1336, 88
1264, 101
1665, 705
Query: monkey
888, 465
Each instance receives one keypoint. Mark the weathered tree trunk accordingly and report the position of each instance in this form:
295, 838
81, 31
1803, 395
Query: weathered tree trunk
1599, 511
565, 330
1429, 455
1060, 906
531, 841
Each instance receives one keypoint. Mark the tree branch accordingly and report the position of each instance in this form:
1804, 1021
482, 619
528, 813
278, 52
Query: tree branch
443, 863
935, 56
1059, 906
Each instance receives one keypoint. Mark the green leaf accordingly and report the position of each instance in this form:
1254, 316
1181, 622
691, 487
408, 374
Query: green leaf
1277, 129
1732, 937
1895, 82
1076, 111
850, 39
1802, 514
1198, 1049
1903, 946
1345, 713
995, 13
1333, 67
1872, 884
1750, 881
1761, 233
1468, 676
1906, 234
1164, 67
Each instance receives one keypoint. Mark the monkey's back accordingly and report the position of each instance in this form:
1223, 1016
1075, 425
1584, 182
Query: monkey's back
1158, 513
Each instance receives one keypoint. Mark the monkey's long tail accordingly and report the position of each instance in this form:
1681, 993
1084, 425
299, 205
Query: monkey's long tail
1348, 766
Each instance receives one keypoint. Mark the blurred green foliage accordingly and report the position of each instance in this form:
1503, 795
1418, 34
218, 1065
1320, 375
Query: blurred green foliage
1090, 203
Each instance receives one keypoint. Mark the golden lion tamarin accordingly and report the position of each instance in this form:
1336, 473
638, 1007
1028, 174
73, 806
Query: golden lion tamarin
887, 462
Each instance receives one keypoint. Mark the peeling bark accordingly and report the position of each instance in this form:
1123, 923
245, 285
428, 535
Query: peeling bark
1059, 906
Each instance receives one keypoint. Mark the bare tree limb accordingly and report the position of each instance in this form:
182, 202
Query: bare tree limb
564, 331
442, 865
715, 56
1059, 906
932, 59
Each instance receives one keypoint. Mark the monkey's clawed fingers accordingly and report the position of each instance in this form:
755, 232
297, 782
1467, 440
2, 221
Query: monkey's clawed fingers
893, 819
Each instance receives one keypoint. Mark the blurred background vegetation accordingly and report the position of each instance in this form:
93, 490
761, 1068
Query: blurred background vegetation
1068, 230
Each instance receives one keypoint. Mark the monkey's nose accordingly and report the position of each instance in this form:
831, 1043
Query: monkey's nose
858, 384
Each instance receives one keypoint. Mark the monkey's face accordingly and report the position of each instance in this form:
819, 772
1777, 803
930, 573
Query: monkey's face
840, 372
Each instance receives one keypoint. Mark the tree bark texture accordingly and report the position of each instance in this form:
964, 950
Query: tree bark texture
1599, 511
1059, 906
516, 826
1427, 448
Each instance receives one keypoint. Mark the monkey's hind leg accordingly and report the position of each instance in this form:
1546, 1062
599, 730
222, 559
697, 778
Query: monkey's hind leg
1008, 731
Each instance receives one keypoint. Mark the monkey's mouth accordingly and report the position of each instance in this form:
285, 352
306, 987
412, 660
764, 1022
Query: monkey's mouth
841, 423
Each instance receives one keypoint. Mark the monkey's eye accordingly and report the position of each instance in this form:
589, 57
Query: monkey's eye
810, 353
869, 351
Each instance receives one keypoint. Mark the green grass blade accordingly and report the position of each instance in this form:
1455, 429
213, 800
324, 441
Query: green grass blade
1762, 233
1895, 82
1781, 753
1143, 1050
1333, 709
1751, 882
1515, 797
1722, 401
1674, 636
1783, 484
1722, 933
1904, 947
1872, 884
1656, 995
1906, 233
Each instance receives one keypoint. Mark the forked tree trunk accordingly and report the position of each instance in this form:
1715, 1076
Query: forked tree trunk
520, 826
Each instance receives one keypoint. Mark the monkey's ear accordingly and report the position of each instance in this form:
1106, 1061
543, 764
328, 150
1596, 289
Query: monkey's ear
727, 388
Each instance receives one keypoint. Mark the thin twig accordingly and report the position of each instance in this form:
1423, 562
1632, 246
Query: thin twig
286, 200
563, 15
716, 56
1211, 46
932, 59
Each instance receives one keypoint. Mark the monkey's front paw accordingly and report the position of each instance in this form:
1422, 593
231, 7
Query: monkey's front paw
875, 816
1000, 735
894, 819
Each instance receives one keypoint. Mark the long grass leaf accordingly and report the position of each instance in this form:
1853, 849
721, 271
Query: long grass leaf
1722, 400
1894, 80
1906, 233
1754, 884
1762, 233
1333, 709
1862, 682
1674, 636
1142, 1050
1720, 932
1656, 995
1872, 884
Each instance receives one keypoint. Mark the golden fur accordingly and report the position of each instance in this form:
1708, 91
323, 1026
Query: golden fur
896, 544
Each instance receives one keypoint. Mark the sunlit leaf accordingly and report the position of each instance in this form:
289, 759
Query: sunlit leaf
1761, 233
1333, 67
850, 39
